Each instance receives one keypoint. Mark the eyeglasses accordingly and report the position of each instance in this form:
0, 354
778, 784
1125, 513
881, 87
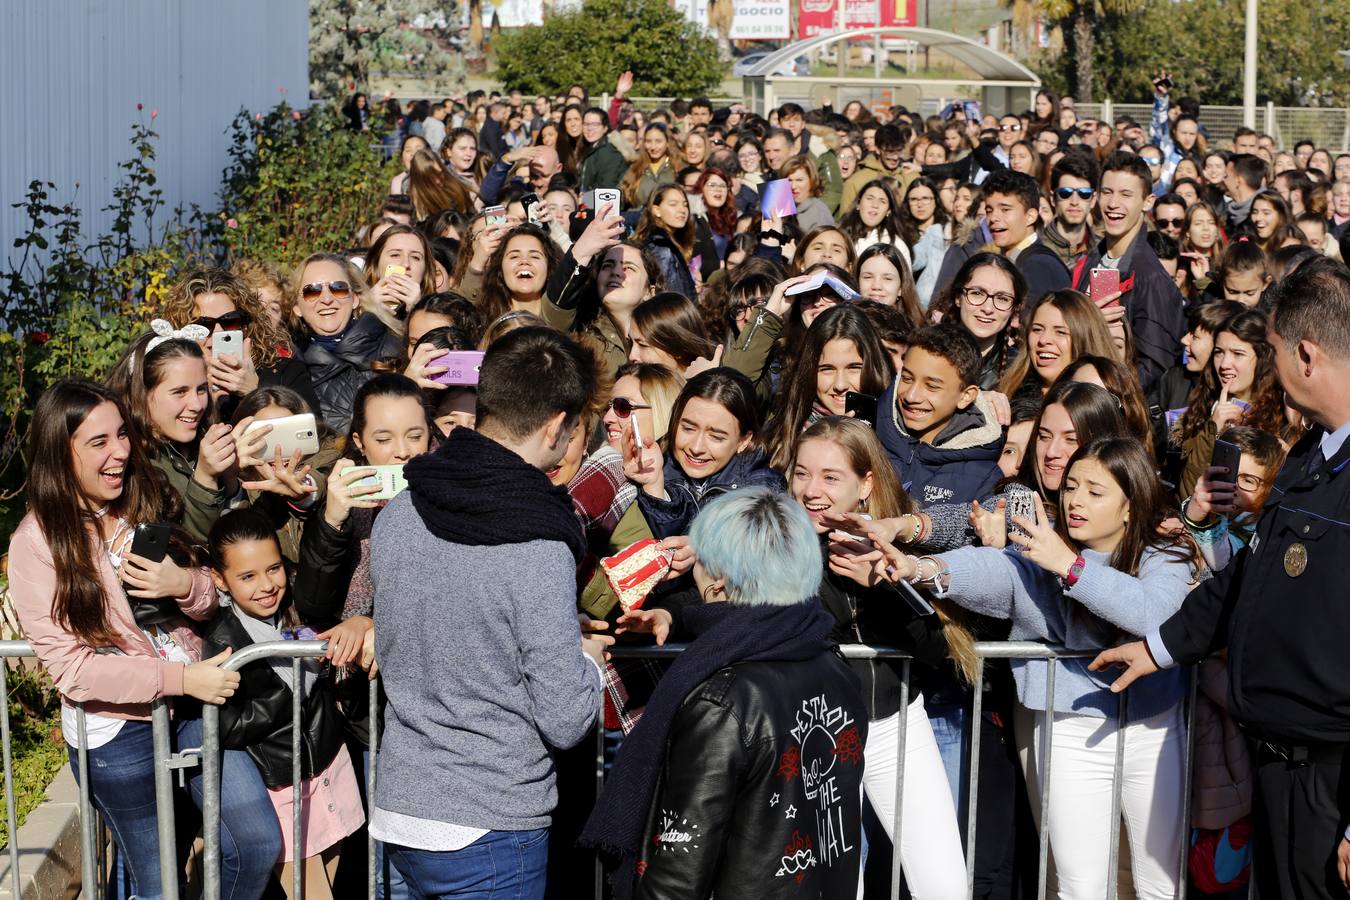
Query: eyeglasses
234, 320
1151, 160
1010, 127
1065, 193
623, 407
717, 142
979, 296
1250, 482
340, 290
1169, 223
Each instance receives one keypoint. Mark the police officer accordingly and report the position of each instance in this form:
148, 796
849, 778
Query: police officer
1282, 610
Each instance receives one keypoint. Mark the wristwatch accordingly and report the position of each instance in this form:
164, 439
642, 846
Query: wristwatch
1075, 571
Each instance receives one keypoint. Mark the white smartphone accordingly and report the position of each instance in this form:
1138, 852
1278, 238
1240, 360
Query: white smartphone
606, 196
290, 433
637, 432
228, 343
389, 479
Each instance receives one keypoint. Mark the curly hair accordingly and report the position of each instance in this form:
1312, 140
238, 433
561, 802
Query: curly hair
494, 298
180, 309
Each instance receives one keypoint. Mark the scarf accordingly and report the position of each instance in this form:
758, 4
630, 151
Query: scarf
723, 635
475, 492
262, 631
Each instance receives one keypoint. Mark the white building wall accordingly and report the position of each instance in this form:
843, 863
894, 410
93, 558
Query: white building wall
72, 72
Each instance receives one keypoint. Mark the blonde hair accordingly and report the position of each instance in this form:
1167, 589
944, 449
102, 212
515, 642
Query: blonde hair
888, 500
660, 386
364, 304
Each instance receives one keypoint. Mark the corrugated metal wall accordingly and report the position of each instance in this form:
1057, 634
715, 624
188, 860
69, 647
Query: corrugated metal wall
72, 72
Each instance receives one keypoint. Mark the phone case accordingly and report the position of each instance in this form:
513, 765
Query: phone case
495, 215
463, 367
1103, 282
394, 269
605, 196
390, 480
151, 541
1021, 505
1228, 455
290, 433
227, 343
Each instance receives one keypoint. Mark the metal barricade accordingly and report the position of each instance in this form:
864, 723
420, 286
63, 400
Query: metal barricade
1010, 650
167, 761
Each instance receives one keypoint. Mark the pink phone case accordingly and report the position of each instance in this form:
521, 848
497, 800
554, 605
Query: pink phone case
463, 366
1103, 282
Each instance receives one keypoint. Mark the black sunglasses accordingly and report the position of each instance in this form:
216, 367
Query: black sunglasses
234, 320
1065, 193
1169, 223
623, 407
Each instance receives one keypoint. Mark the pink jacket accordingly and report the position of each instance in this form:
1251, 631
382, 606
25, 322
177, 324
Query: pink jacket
110, 684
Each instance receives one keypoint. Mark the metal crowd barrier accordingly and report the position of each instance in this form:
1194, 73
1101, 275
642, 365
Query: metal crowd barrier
166, 761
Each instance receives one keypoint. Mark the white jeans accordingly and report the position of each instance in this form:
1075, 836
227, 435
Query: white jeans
930, 841
1084, 750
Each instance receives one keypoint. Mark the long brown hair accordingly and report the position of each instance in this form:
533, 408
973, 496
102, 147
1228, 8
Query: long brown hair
433, 189
1266, 411
376, 271
648, 224
671, 322
1088, 335
65, 516
494, 298
632, 179
1122, 382
139, 372
889, 500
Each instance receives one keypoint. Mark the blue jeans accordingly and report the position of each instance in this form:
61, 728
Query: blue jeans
951, 730
122, 786
501, 865
389, 884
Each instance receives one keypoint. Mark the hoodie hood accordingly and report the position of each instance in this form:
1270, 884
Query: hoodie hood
823, 138
617, 141
960, 466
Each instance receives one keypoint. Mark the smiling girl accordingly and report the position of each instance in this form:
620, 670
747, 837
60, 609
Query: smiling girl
1240, 387
712, 450
517, 274
841, 354
985, 296
668, 230
884, 276
400, 269
1104, 571
1062, 326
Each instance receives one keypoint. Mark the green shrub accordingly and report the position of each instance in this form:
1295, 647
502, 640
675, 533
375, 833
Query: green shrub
593, 44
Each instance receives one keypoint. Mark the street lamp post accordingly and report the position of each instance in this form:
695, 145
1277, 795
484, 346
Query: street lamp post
1249, 69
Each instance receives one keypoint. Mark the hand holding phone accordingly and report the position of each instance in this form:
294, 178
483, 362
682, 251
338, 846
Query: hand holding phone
287, 435
388, 481
1228, 456
1102, 284
461, 367
151, 541
862, 407
228, 343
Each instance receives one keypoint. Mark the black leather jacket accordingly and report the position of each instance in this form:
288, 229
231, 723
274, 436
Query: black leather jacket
760, 792
258, 717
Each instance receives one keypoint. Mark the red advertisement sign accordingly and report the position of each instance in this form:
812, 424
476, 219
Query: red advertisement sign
816, 17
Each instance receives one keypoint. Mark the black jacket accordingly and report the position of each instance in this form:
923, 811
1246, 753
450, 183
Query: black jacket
1154, 306
1043, 270
761, 787
257, 718
338, 374
603, 167
960, 465
877, 616
1279, 608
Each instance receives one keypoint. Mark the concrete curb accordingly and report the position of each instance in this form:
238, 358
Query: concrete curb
49, 846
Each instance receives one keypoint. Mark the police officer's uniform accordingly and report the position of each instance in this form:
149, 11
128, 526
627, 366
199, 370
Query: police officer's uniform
1282, 609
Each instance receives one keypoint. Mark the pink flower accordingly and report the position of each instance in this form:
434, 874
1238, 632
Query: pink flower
154, 114
231, 223
295, 114
281, 89
257, 117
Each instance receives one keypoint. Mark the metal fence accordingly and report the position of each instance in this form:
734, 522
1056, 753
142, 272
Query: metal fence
209, 755
1327, 127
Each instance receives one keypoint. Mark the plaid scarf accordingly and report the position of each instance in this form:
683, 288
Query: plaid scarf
601, 493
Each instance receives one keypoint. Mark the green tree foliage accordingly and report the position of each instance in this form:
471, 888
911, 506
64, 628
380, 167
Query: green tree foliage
1080, 21
594, 44
350, 39
1200, 42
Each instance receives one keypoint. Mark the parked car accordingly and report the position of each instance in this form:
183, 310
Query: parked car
799, 66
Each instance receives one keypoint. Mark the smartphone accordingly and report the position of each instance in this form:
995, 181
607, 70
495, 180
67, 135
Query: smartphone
228, 343
862, 407
917, 603
151, 541
495, 215
1103, 282
389, 479
394, 269
530, 203
608, 197
1021, 505
775, 199
1228, 455
290, 433
1165, 83
637, 431
462, 367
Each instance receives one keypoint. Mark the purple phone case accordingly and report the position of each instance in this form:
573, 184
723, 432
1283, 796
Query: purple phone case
776, 200
463, 367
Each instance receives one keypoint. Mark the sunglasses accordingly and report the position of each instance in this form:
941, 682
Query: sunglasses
235, 320
623, 407
1169, 223
1065, 193
1010, 127
314, 290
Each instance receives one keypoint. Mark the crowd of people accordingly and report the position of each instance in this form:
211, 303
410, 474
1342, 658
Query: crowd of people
588, 381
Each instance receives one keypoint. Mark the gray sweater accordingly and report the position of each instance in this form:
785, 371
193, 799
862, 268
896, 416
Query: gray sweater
1104, 608
481, 658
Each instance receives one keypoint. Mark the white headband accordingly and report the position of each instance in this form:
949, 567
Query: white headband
164, 331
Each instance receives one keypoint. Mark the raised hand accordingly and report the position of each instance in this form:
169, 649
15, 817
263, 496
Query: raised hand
1041, 543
